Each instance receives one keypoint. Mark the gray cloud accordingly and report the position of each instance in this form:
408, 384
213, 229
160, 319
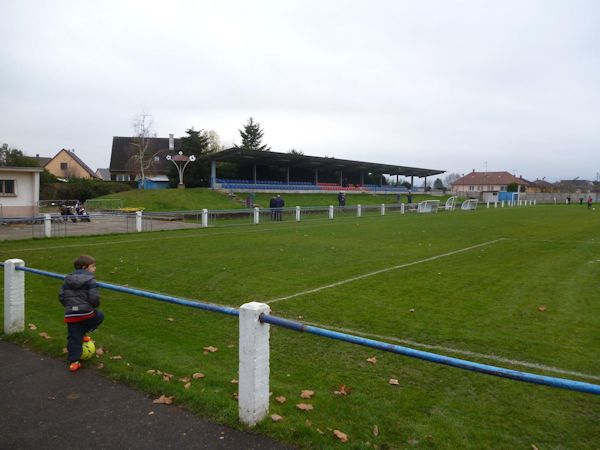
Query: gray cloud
448, 85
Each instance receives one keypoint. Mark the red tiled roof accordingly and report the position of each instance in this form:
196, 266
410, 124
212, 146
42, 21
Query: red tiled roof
490, 178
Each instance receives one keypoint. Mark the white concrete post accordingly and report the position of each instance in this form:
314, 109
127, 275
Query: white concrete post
488, 204
204, 218
383, 209
358, 210
14, 296
47, 226
331, 211
297, 214
503, 203
402, 208
253, 386
495, 204
256, 216
138, 221
535, 202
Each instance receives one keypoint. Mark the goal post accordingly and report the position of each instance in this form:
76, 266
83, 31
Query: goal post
428, 206
469, 205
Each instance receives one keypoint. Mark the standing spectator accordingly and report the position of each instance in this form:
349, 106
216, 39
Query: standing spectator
409, 197
249, 201
342, 198
581, 200
279, 204
589, 201
568, 200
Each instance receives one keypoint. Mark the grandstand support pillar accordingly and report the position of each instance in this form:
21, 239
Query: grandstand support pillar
287, 175
297, 214
402, 208
341, 179
138, 221
362, 178
213, 174
383, 209
254, 173
358, 210
204, 218
14, 296
331, 211
253, 387
412, 184
256, 216
316, 176
47, 226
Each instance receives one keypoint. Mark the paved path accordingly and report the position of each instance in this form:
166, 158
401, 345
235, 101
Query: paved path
43, 405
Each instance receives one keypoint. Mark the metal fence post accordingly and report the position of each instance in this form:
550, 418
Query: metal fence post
331, 211
138, 221
253, 395
47, 226
358, 210
383, 209
14, 296
256, 216
297, 214
204, 218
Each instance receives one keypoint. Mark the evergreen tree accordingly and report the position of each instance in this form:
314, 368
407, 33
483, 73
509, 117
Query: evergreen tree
15, 157
252, 137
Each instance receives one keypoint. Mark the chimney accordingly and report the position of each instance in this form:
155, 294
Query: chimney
171, 142
37, 155
473, 170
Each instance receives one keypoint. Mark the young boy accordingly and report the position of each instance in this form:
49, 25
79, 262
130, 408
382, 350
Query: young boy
79, 295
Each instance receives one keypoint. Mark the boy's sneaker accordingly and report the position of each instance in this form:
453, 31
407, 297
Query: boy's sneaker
87, 339
75, 366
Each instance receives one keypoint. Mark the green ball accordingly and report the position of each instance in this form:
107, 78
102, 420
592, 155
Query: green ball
88, 350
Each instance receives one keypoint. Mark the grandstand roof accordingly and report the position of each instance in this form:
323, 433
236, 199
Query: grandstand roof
239, 155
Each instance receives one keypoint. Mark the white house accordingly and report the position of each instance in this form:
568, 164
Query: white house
19, 191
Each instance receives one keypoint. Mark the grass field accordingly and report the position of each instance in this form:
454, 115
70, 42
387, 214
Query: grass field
197, 199
472, 301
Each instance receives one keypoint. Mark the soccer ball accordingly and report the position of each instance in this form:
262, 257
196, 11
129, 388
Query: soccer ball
88, 350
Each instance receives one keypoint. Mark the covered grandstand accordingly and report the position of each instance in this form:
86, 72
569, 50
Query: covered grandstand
291, 171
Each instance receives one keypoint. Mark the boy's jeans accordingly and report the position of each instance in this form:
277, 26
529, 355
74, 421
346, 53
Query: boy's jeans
76, 331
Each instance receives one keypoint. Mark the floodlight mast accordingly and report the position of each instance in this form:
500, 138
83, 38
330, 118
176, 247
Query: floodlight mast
181, 161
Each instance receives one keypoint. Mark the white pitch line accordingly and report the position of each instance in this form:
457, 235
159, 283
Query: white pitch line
513, 362
387, 269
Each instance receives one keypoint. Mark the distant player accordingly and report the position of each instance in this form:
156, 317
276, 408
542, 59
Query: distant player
79, 295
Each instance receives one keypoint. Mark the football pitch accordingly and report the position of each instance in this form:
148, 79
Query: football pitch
512, 287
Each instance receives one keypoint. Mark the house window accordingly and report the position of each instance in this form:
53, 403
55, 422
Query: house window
471, 188
7, 187
64, 166
122, 177
503, 188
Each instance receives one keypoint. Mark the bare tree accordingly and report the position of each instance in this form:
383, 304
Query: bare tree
450, 179
142, 127
214, 142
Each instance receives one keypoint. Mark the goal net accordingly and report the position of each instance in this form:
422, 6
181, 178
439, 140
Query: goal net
428, 206
469, 205
450, 204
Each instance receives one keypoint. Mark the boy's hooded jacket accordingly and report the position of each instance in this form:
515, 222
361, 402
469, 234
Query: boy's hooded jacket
79, 295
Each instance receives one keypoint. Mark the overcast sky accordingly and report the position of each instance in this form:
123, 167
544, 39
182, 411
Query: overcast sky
454, 85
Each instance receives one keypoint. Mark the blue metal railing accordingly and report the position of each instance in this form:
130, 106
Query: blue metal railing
526, 377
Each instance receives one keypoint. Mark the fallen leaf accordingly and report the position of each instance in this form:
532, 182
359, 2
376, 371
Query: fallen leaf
235, 395
375, 430
45, 335
276, 418
151, 371
413, 441
32, 326
372, 360
73, 396
234, 381
170, 319
64, 350
100, 351
304, 407
151, 413
210, 349
307, 394
197, 375
343, 390
341, 436
542, 308
534, 447
308, 423
185, 379
100, 366
412, 310
280, 399
187, 385
320, 431
394, 381
116, 357
164, 400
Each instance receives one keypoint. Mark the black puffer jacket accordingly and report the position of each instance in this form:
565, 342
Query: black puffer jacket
79, 294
